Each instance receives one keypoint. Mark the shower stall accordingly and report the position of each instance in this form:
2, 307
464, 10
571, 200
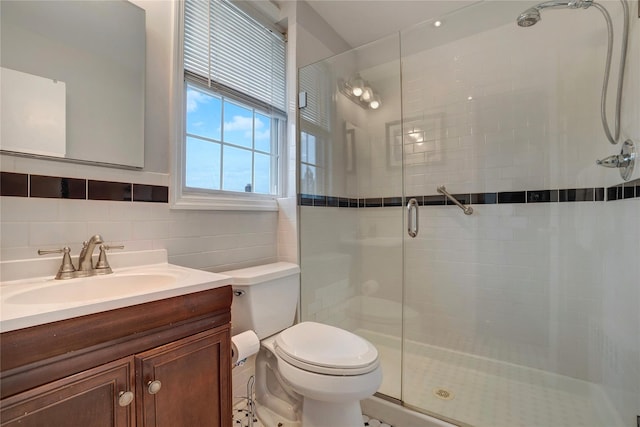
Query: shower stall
525, 311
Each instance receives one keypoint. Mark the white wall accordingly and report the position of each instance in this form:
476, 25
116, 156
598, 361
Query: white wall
309, 39
207, 239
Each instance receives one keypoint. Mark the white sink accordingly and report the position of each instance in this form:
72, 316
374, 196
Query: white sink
34, 301
93, 288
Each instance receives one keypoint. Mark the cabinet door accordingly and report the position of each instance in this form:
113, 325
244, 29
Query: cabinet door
86, 399
186, 383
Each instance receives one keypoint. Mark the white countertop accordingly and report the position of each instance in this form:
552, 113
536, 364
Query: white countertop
24, 302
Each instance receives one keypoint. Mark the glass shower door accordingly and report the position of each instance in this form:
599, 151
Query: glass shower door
509, 315
350, 201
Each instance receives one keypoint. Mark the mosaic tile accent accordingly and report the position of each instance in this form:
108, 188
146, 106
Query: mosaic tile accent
14, 184
105, 190
484, 198
465, 199
434, 201
576, 195
392, 201
150, 193
373, 202
542, 196
626, 190
512, 197
56, 187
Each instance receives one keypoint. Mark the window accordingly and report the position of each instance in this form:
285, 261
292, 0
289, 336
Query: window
233, 102
311, 171
315, 128
229, 146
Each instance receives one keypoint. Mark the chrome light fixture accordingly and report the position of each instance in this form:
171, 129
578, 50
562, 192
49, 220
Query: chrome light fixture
375, 102
357, 86
360, 92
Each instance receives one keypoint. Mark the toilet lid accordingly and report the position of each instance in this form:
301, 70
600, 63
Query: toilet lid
326, 349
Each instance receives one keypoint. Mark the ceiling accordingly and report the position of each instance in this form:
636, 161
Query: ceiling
363, 21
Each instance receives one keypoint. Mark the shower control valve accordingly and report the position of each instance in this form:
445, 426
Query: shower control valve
624, 161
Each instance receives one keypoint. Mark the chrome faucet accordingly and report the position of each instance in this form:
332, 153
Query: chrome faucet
85, 264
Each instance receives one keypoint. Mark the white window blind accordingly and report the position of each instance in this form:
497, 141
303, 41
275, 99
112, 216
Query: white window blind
224, 47
314, 80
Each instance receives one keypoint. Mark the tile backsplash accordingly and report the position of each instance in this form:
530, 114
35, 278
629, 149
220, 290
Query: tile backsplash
57, 214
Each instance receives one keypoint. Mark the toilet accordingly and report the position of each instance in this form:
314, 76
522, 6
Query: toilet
308, 374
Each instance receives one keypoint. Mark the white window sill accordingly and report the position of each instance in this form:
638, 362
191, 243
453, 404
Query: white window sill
225, 203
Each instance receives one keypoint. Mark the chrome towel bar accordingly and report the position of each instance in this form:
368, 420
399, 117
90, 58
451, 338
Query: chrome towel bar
468, 210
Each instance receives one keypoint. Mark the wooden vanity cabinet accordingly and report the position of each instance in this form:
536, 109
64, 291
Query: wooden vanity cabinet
85, 399
173, 356
180, 383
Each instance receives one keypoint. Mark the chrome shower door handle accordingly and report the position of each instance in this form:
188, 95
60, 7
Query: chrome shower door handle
412, 218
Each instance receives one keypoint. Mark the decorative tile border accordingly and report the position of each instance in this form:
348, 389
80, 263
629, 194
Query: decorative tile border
626, 190
53, 187
599, 194
14, 184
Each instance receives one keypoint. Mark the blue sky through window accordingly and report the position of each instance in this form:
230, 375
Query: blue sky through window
262, 173
238, 125
237, 168
262, 126
220, 143
203, 164
204, 114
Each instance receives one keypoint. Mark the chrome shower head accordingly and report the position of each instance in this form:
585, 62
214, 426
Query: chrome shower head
529, 17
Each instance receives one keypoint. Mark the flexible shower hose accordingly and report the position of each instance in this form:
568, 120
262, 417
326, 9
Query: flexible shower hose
605, 83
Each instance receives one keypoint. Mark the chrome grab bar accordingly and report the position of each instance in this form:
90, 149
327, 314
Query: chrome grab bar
412, 211
468, 210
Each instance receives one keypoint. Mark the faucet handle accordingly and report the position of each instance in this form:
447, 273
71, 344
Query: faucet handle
102, 266
66, 270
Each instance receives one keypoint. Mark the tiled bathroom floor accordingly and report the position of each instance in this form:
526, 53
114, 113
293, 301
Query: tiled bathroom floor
241, 419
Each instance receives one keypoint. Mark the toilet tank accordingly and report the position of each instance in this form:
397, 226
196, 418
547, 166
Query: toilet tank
265, 298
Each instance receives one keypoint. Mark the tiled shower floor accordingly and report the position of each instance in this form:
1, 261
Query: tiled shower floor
487, 393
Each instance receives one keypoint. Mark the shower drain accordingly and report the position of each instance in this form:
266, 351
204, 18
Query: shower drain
443, 394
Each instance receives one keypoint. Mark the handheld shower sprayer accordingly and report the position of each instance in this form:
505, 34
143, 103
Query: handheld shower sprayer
531, 16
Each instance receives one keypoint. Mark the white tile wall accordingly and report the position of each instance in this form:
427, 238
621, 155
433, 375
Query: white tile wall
214, 241
614, 342
533, 122
549, 286
327, 256
498, 283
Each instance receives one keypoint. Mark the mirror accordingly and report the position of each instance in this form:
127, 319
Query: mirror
79, 62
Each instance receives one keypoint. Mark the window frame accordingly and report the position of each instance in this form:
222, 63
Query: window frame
184, 197
322, 138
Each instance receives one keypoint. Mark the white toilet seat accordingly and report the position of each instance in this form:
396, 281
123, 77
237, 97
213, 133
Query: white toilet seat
324, 349
331, 388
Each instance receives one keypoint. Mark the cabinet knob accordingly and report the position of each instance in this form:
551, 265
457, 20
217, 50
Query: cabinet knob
125, 398
154, 386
